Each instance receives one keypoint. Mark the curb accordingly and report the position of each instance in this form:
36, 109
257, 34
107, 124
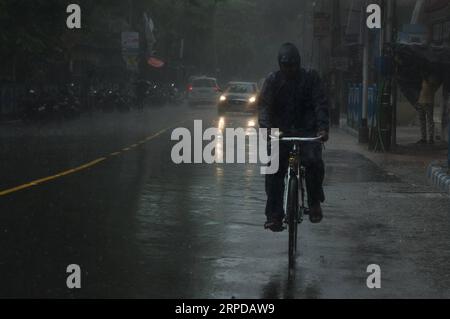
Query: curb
437, 176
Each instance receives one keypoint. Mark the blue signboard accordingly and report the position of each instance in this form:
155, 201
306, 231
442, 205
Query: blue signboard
354, 111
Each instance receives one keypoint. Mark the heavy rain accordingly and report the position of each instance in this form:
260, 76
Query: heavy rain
117, 179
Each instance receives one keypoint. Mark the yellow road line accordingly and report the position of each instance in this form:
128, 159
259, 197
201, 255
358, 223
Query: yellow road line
49, 178
79, 168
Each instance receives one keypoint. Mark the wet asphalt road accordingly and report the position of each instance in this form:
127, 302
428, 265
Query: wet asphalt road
142, 227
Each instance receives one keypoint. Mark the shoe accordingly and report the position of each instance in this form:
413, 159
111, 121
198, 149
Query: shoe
315, 213
431, 142
274, 224
422, 141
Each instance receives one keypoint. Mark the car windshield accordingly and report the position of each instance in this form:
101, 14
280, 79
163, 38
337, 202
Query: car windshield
241, 88
204, 83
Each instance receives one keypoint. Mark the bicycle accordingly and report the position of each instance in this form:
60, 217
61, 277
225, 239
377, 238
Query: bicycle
294, 184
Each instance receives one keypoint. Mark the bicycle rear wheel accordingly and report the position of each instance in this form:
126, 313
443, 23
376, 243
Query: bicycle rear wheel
292, 209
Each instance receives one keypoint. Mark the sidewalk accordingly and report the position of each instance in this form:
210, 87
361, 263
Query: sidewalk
420, 165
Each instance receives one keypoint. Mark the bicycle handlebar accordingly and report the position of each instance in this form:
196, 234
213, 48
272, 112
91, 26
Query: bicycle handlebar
297, 139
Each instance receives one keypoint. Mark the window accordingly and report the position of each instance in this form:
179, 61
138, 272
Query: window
241, 88
204, 83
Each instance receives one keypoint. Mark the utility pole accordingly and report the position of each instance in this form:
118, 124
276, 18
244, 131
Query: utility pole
447, 109
338, 80
364, 129
392, 30
446, 116
214, 40
383, 135
313, 11
387, 115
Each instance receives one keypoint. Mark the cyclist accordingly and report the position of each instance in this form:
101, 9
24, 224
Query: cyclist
293, 99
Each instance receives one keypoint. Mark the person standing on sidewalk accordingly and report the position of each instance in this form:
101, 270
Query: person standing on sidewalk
425, 106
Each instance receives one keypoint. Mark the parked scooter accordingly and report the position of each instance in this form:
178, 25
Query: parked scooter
121, 101
106, 100
174, 95
35, 107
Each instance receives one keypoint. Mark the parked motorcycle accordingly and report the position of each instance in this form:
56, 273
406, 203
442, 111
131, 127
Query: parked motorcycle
174, 95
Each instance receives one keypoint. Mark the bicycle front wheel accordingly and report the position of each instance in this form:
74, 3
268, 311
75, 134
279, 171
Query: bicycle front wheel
292, 208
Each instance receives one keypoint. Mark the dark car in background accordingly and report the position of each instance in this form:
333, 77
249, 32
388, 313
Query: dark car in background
239, 97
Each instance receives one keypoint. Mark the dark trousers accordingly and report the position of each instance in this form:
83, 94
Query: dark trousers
311, 158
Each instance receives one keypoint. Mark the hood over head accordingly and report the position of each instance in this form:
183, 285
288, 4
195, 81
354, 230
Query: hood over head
289, 55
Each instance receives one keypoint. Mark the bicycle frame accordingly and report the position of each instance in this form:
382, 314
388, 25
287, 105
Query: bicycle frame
296, 203
295, 169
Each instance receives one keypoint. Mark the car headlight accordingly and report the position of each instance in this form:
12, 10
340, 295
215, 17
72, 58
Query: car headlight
223, 97
252, 99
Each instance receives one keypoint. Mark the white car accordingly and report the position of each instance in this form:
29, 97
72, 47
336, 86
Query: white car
239, 97
203, 90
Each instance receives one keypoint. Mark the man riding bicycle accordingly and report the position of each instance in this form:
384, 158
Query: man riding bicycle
293, 100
